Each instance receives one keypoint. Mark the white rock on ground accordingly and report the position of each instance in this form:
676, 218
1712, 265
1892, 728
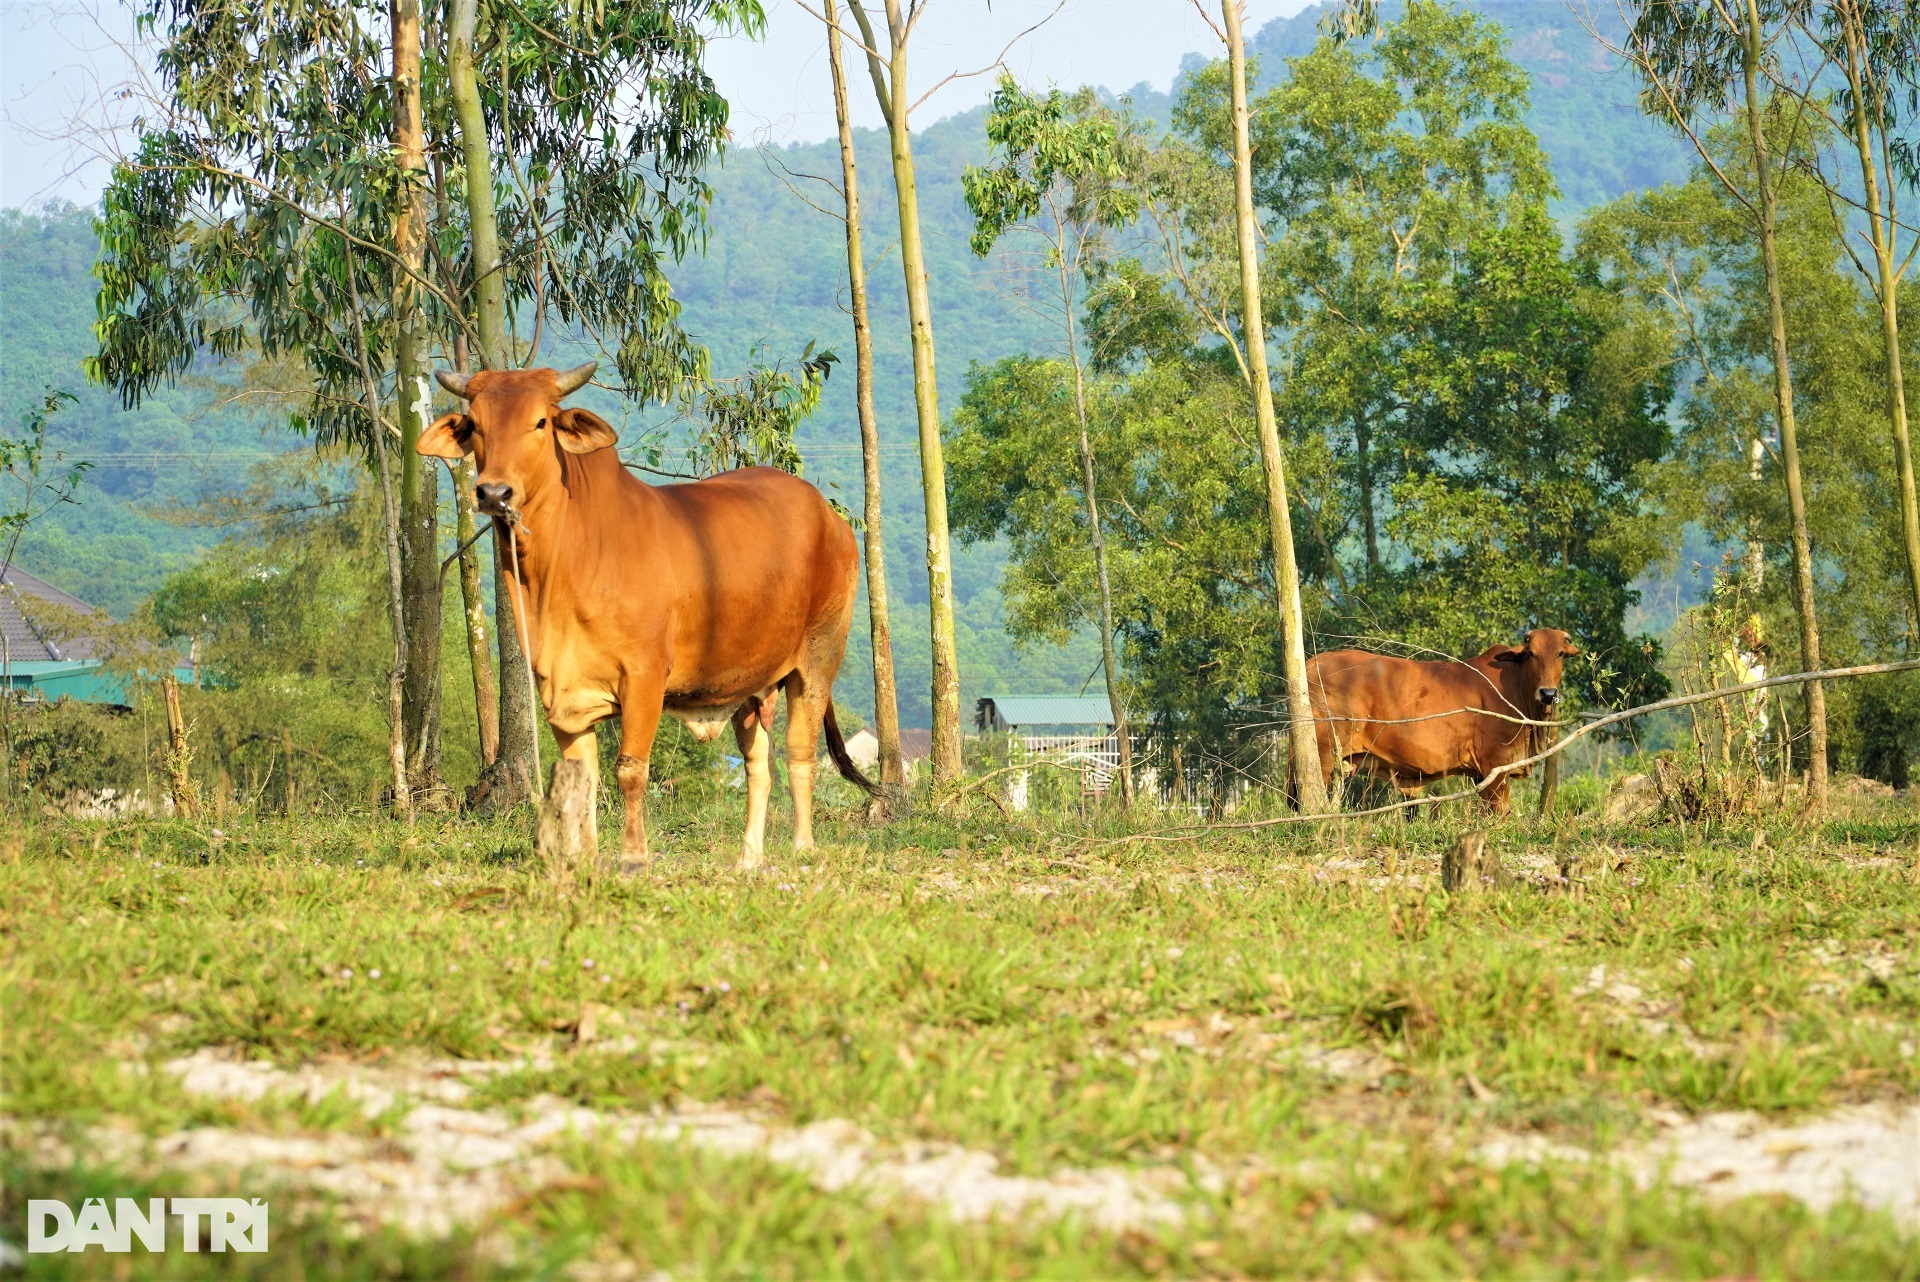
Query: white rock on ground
446, 1166
1868, 1152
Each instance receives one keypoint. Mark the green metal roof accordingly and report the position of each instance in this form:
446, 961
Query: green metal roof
82, 680
1044, 710
39, 664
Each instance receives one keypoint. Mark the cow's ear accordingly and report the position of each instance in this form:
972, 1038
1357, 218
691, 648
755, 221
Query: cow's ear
450, 437
1570, 650
1510, 654
583, 431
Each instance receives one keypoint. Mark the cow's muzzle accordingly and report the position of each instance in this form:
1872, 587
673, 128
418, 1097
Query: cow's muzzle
494, 499
1549, 695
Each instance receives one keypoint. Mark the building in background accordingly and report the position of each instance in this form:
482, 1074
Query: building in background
36, 665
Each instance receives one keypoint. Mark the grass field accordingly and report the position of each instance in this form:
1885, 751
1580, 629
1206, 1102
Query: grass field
1291, 1051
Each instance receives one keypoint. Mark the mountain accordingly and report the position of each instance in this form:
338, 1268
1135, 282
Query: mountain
772, 279
110, 546
1586, 110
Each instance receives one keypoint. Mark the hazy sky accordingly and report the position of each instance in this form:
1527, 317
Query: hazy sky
64, 65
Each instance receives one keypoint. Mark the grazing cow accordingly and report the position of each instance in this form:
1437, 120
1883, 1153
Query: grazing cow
700, 601
1413, 721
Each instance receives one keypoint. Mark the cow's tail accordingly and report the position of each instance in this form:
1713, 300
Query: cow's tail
837, 749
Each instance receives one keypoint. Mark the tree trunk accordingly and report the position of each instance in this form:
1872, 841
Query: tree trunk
886, 701
1286, 571
890, 86
1783, 404
1123, 737
396, 609
390, 520
511, 778
1363, 457
486, 694
1882, 232
567, 835
419, 489
1549, 780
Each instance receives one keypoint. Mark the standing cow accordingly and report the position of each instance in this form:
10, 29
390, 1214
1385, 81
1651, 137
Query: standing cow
700, 601
1413, 721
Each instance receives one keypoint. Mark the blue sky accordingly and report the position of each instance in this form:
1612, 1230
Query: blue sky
72, 78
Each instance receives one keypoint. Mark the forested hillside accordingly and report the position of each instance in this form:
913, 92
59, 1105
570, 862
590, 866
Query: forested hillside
1585, 111
111, 546
771, 278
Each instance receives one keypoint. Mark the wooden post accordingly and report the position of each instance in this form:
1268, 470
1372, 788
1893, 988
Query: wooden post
186, 799
567, 839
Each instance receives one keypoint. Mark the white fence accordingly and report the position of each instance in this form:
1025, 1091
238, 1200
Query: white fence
1160, 775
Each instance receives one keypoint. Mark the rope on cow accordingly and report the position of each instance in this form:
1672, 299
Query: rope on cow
1613, 718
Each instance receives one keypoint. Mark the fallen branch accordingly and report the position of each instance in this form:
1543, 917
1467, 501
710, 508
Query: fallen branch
979, 781
1559, 745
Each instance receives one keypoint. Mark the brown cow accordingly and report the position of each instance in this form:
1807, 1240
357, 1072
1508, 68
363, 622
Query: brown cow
1413, 721
700, 600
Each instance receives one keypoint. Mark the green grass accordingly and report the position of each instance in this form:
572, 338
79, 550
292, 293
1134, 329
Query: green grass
1019, 988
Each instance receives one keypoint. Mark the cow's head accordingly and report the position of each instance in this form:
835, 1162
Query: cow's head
1538, 659
514, 430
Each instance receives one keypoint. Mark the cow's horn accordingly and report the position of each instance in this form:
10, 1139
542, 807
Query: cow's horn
576, 378
453, 380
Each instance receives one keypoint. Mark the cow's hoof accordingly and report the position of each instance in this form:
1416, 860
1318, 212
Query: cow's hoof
630, 866
751, 861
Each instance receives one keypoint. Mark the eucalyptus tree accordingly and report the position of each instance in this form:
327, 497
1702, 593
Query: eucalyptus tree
749, 421
1698, 63
886, 700
508, 777
1876, 50
419, 506
1058, 176
1286, 565
256, 214
887, 67
1380, 174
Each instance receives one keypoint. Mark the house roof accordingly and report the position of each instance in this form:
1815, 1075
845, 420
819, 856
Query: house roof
915, 745
26, 643
1051, 710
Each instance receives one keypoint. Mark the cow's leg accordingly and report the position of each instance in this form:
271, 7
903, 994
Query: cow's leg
1327, 739
1498, 798
804, 715
1411, 790
750, 731
639, 723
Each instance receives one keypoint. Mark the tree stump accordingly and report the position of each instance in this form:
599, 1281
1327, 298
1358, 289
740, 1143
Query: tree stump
186, 794
1470, 865
567, 840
